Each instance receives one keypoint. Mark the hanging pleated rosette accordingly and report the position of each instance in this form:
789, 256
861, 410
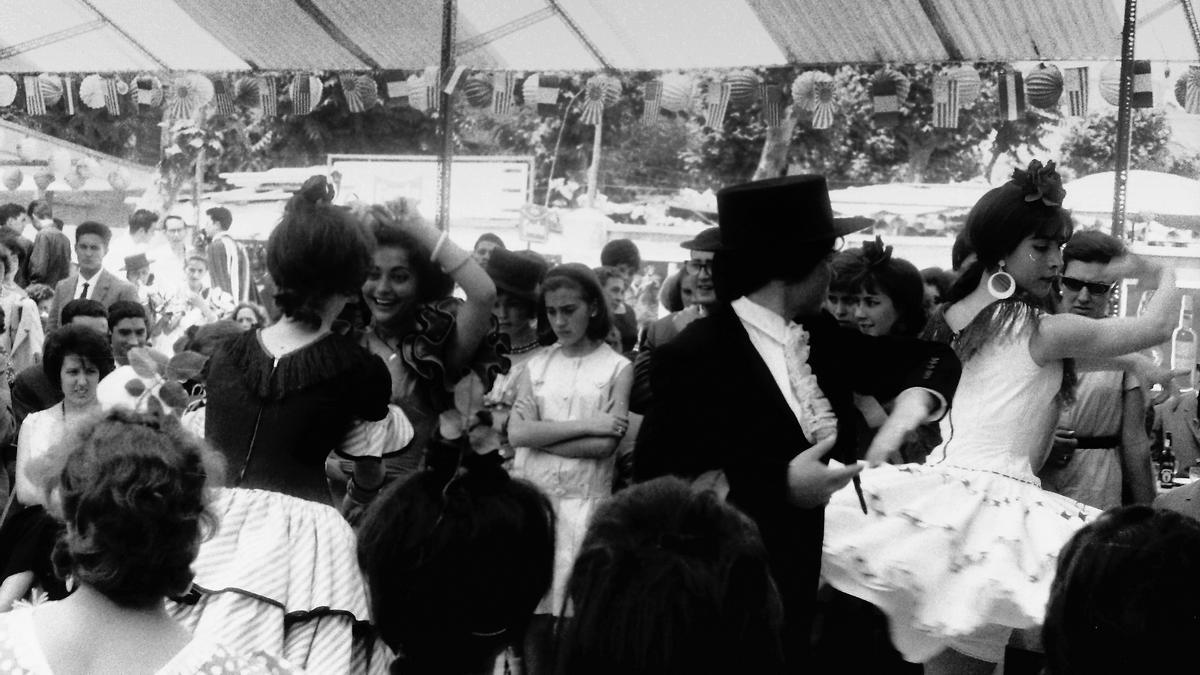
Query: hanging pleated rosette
368, 90
1044, 86
813, 94
677, 93
187, 94
478, 90
1187, 90
92, 91
51, 87
743, 89
969, 84
1110, 83
8, 90
600, 92
148, 90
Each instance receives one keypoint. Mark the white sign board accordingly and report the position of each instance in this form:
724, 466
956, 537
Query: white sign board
490, 188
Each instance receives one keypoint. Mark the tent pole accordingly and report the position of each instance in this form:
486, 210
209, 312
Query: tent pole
594, 169
1124, 119
445, 128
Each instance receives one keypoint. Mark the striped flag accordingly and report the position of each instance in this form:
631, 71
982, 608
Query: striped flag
112, 96
69, 93
718, 104
302, 99
222, 98
1012, 95
35, 103
350, 91
1143, 94
268, 96
772, 104
432, 80
502, 93
651, 98
547, 94
945, 102
146, 91
1075, 81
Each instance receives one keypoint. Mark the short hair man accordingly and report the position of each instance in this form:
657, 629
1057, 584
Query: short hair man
50, 257
730, 370
141, 226
91, 281
32, 390
1100, 445
129, 327
228, 262
622, 254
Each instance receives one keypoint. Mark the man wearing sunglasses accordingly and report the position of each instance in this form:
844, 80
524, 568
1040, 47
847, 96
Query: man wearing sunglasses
1100, 447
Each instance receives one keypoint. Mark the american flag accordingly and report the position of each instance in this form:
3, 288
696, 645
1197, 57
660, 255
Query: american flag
651, 97
222, 99
112, 96
145, 91
433, 87
1075, 81
945, 102
1143, 94
502, 93
1012, 95
718, 104
772, 104
35, 104
350, 91
302, 99
69, 93
268, 96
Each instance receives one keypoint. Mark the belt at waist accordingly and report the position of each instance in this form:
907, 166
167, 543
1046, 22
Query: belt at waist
1093, 442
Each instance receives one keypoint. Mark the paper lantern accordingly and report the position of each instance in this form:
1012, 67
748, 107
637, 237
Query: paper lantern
677, 94
187, 95
1044, 86
1110, 83
118, 179
75, 180
743, 88
52, 88
43, 177
968, 85
92, 90
8, 90
368, 90
13, 178
1187, 90
478, 92
812, 92
30, 149
60, 163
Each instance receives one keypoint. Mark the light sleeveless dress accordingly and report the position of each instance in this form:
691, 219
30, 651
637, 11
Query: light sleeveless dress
962, 550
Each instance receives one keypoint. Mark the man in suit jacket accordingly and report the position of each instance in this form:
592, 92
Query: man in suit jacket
91, 281
726, 399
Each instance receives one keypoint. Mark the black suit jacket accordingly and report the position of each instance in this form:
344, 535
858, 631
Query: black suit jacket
716, 406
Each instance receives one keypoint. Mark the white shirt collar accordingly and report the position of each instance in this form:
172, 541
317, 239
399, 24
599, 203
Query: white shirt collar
763, 319
90, 281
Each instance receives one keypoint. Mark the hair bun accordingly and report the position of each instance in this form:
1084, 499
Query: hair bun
875, 253
316, 190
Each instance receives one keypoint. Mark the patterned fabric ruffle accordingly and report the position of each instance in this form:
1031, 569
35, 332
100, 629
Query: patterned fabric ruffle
281, 576
948, 552
424, 350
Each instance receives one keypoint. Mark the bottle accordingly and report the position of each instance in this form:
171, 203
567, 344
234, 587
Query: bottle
1166, 464
1183, 346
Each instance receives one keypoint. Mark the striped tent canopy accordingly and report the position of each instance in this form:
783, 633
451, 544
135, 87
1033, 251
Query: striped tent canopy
219, 35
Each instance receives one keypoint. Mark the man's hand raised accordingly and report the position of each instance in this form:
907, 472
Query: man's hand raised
811, 482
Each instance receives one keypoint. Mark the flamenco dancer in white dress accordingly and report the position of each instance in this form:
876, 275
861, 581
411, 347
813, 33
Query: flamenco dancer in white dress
961, 551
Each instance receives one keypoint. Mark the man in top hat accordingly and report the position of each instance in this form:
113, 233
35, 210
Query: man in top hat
760, 392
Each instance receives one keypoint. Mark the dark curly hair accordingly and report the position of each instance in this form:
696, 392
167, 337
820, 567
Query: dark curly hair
456, 559
318, 250
1118, 601
81, 341
384, 223
131, 492
662, 570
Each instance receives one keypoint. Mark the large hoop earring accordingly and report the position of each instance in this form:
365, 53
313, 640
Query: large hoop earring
1001, 284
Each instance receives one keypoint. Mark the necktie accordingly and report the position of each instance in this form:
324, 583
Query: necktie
83, 295
816, 414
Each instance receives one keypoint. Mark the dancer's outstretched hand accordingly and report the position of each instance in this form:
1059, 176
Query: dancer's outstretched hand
811, 482
912, 407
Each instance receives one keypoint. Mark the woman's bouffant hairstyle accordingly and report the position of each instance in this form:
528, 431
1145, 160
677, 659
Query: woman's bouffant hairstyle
670, 580
848, 268
457, 558
583, 280
1119, 600
318, 250
900, 281
80, 341
384, 222
131, 490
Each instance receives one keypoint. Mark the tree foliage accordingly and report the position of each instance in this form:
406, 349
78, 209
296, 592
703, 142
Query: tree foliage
1090, 145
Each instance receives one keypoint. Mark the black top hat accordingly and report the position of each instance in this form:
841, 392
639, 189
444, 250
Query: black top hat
774, 214
709, 239
518, 273
136, 262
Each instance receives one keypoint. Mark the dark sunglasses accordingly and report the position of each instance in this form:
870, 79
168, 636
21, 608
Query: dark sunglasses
1094, 287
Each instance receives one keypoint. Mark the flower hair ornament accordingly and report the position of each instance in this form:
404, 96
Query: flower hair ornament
876, 253
1040, 183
